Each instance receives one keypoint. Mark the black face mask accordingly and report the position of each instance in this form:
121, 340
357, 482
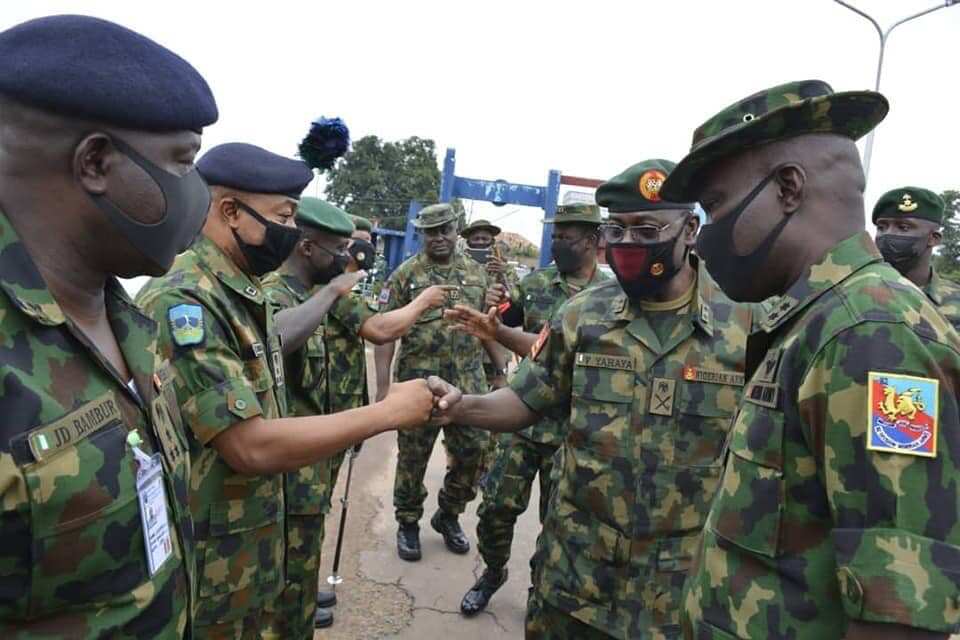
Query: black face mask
363, 253
644, 269
278, 243
335, 268
186, 200
715, 246
567, 259
903, 252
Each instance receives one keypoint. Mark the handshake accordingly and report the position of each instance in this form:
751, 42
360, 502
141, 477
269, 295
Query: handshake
419, 403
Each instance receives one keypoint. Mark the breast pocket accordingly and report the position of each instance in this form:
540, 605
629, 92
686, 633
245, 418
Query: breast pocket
600, 410
748, 509
313, 365
87, 537
704, 418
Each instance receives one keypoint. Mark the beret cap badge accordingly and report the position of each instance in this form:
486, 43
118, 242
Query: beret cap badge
907, 204
650, 183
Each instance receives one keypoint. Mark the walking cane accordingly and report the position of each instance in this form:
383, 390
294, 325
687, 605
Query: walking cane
335, 578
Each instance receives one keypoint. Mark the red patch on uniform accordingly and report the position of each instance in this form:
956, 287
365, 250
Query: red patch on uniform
541, 340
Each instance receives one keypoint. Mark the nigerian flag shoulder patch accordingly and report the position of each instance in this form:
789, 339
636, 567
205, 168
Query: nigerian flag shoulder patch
186, 324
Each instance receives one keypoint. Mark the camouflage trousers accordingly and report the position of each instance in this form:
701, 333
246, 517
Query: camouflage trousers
465, 447
506, 494
256, 626
546, 622
298, 603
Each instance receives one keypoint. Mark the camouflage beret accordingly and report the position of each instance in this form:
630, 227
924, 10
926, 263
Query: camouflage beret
910, 202
580, 212
435, 215
321, 215
638, 188
361, 223
779, 113
481, 224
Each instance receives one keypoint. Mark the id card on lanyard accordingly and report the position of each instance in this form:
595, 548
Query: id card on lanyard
152, 496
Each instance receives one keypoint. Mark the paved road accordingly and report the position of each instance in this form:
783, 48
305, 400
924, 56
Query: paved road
385, 597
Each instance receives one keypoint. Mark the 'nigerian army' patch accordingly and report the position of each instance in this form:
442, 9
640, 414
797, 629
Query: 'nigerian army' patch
186, 324
903, 414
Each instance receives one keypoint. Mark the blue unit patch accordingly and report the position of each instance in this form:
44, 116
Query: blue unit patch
903, 414
186, 324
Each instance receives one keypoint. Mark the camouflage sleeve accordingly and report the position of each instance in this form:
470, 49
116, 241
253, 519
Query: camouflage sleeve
543, 381
212, 384
393, 291
351, 311
879, 411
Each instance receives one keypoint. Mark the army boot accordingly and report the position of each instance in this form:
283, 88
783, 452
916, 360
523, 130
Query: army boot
326, 599
479, 595
322, 619
447, 525
408, 542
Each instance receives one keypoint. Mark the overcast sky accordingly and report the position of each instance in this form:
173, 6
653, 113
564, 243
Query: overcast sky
519, 88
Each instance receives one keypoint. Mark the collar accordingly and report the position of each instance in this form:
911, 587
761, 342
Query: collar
836, 265
226, 270
21, 280
934, 288
293, 283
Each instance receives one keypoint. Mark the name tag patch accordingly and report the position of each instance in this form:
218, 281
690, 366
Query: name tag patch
74, 427
903, 414
603, 361
712, 376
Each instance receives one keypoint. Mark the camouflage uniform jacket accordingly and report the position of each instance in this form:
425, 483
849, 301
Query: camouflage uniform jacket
233, 373
810, 528
540, 295
346, 353
73, 559
432, 347
642, 456
307, 490
945, 294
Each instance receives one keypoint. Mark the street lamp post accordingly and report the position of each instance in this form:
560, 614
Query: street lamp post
868, 148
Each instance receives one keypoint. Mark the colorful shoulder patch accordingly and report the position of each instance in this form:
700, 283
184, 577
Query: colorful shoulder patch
903, 414
384, 296
186, 324
541, 340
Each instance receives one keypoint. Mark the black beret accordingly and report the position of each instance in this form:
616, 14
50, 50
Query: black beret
97, 70
247, 167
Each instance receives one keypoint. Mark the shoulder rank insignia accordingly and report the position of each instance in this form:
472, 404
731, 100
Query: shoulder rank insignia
903, 414
541, 340
186, 324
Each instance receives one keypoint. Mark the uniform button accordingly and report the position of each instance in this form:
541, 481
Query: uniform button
240, 404
250, 291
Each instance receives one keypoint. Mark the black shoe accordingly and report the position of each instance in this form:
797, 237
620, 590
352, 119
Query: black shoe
408, 542
453, 536
477, 598
326, 599
322, 619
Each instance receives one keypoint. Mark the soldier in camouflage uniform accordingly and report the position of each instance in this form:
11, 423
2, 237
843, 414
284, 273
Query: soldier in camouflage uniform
97, 541
522, 456
648, 370
835, 515
430, 349
225, 346
908, 222
326, 375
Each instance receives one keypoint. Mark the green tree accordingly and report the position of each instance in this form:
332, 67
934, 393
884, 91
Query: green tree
947, 260
378, 179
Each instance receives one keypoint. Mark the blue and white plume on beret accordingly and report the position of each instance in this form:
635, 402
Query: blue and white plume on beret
247, 167
94, 69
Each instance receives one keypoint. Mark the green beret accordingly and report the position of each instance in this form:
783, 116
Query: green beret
786, 111
435, 215
480, 224
910, 202
361, 223
638, 188
321, 215
580, 212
